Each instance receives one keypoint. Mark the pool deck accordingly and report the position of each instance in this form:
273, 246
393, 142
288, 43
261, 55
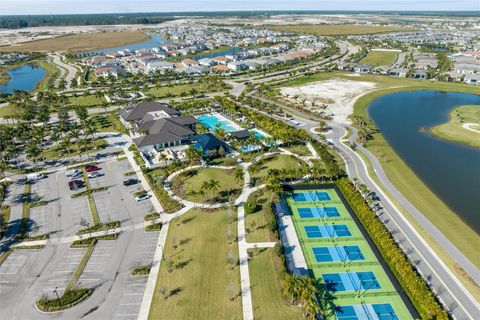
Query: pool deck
386, 294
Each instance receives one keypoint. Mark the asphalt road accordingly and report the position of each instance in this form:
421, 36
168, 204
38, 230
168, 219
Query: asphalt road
450, 291
71, 71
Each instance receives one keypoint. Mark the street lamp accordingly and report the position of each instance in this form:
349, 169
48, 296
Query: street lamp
58, 297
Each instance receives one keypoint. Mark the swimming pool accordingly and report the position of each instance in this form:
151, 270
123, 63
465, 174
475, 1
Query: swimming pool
214, 121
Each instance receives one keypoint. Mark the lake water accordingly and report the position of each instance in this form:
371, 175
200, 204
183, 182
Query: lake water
154, 42
25, 78
220, 53
450, 170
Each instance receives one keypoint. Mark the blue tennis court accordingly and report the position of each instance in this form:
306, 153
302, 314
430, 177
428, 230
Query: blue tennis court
366, 311
328, 231
331, 254
324, 212
351, 281
310, 196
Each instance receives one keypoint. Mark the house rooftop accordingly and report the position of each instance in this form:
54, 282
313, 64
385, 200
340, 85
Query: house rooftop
138, 112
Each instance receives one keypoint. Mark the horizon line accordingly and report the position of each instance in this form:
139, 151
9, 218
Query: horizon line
476, 12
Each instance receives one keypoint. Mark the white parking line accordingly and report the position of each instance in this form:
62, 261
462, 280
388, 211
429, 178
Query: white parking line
63, 271
58, 280
133, 294
130, 304
8, 273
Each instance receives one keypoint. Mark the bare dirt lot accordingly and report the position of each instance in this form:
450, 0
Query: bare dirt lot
339, 96
80, 42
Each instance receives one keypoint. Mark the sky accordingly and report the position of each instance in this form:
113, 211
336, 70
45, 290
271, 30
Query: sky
14, 7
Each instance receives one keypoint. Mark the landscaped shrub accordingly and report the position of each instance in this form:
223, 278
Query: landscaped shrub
151, 216
69, 299
87, 192
141, 270
154, 227
413, 285
251, 207
100, 227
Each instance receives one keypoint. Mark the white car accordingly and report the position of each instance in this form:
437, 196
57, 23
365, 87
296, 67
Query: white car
94, 174
143, 196
72, 173
35, 176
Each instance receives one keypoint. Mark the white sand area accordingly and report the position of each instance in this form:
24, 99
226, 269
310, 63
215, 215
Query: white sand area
338, 95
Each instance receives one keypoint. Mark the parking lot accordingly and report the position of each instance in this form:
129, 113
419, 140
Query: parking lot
27, 275
60, 275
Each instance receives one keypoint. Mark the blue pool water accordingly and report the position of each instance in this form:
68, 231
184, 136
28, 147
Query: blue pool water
24, 78
212, 122
351, 281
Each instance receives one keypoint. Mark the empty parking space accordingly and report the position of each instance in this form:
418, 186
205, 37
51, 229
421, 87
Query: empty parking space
60, 276
131, 298
98, 264
11, 268
80, 210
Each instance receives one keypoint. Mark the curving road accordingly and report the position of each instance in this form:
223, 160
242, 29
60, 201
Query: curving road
448, 288
71, 71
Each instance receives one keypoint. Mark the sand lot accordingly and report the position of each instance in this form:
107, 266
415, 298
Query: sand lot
338, 95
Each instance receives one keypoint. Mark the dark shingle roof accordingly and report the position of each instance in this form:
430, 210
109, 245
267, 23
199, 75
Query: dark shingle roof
140, 110
241, 134
208, 141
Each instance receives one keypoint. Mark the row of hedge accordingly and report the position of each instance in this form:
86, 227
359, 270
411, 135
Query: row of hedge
100, 227
91, 241
87, 192
69, 299
412, 283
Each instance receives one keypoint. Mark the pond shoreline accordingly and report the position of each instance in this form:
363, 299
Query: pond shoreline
416, 191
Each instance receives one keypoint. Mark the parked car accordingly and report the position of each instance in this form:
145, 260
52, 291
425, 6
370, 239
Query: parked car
91, 168
76, 184
143, 196
35, 176
76, 175
130, 182
74, 172
94, 174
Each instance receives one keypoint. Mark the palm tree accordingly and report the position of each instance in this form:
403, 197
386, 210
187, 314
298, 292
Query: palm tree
238, 174
214, 185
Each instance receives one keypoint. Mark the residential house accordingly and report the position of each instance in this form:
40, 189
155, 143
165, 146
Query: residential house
362, 68
472, 79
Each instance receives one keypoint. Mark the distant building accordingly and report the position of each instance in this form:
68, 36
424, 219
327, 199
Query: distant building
472, 79
362, 68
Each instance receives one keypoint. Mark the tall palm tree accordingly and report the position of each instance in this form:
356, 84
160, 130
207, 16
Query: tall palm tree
214, 185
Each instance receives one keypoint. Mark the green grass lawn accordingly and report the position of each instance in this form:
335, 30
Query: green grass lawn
453, 130
266, 291
86, 101
256, 223
380, 58
277, 161
107, 122
192, 180
55, 152
181, 90
300, 149
202, 283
